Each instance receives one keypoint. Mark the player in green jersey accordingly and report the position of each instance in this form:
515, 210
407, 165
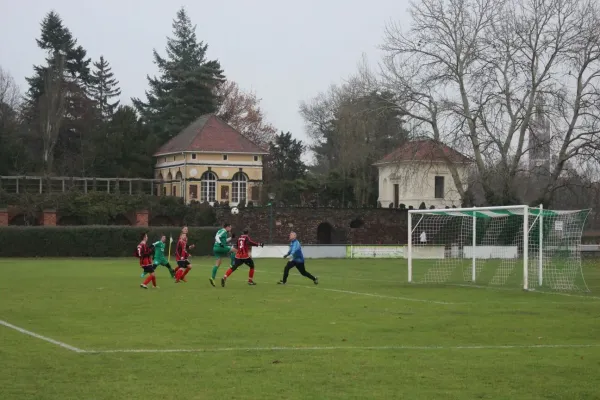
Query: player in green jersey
159, 256
221, 249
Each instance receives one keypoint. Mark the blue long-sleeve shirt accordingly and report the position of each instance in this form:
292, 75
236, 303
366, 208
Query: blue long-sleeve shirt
296, 251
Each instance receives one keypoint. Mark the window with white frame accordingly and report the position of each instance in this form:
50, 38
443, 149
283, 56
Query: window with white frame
239, 188
208, 187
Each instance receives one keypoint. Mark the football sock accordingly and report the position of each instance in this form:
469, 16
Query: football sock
251, 275
214, 272
170, 270
178, 274
153, 280
229, 272
148, 280
185, 272
231, 259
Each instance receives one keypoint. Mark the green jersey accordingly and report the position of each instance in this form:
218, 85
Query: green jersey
221, 238
159, 251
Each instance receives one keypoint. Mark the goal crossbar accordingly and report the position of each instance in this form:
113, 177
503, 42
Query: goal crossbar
504, 238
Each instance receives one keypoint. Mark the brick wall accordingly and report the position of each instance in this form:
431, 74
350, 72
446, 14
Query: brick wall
49, 218
357, 226
141, 218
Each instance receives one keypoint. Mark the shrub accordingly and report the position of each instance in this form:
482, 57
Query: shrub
93, 241
101, 208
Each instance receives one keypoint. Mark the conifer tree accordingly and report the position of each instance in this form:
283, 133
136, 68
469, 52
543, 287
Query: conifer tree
56, 39
103, 88
67, 74
186, 86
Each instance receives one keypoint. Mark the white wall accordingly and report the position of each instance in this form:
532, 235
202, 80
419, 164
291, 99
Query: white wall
417, 184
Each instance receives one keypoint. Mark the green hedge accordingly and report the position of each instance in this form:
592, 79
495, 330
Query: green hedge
101, 208
93, 241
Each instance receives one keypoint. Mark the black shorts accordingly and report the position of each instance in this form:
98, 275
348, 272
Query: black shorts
183, 263
239, 261
148, 269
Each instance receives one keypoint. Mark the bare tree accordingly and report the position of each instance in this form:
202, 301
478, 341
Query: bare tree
242, 111
52, 108
352, 126
10, 95
472, 72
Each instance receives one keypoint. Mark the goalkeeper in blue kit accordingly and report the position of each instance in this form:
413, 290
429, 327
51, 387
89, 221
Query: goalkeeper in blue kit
297, 261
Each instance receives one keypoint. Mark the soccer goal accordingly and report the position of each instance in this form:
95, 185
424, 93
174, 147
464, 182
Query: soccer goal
516, 246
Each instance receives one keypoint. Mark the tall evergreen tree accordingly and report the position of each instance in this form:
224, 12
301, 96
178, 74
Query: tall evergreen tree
72, 85
187, 83
284, 162
56, 39
103, 88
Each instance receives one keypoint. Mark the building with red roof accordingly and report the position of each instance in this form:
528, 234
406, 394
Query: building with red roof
211, 161
419, 172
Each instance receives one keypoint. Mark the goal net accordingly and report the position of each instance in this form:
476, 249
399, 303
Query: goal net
518, 246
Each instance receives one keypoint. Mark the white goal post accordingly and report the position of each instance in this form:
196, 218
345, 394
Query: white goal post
523, 246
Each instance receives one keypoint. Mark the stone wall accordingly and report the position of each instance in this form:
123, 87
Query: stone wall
321, 225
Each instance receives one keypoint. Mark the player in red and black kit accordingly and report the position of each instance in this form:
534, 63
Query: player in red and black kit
181, 256
144, 253
242, 256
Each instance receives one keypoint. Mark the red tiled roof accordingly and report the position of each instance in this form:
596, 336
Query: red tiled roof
210, 134
424, 150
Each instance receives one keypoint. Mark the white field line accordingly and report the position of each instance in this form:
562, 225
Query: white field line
339, 277
300, 348
592, 298
327, 277
381, 296
44, 338
327, 348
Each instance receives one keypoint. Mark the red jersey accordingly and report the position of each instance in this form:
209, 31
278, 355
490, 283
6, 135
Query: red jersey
244, 243
144, 253
181, 253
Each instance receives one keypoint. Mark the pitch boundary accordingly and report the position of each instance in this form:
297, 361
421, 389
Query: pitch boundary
381, 296
296, 348
357, 348
41, 337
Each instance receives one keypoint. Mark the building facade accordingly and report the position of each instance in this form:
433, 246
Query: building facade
418, 172
209, 161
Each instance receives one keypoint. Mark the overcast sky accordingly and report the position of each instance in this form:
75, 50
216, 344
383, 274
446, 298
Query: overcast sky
287, 51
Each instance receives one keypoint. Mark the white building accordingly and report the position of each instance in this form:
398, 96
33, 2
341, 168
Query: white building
417, 172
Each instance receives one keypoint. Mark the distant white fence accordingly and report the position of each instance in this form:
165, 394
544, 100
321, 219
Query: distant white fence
430, 252
503, 252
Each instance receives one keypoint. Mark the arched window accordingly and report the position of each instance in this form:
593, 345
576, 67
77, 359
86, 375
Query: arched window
208, 188
239, 188
179, 177
170, 183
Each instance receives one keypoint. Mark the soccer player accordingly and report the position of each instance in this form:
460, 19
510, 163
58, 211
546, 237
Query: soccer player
159, 255
144, 253
221, 249
182, 255
297, 261
242, 256
184, 231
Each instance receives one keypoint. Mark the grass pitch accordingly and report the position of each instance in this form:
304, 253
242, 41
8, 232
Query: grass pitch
363, 333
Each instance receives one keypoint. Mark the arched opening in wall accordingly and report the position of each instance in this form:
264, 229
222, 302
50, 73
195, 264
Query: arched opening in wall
120, 219
357, 223
324, 233
24, 220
